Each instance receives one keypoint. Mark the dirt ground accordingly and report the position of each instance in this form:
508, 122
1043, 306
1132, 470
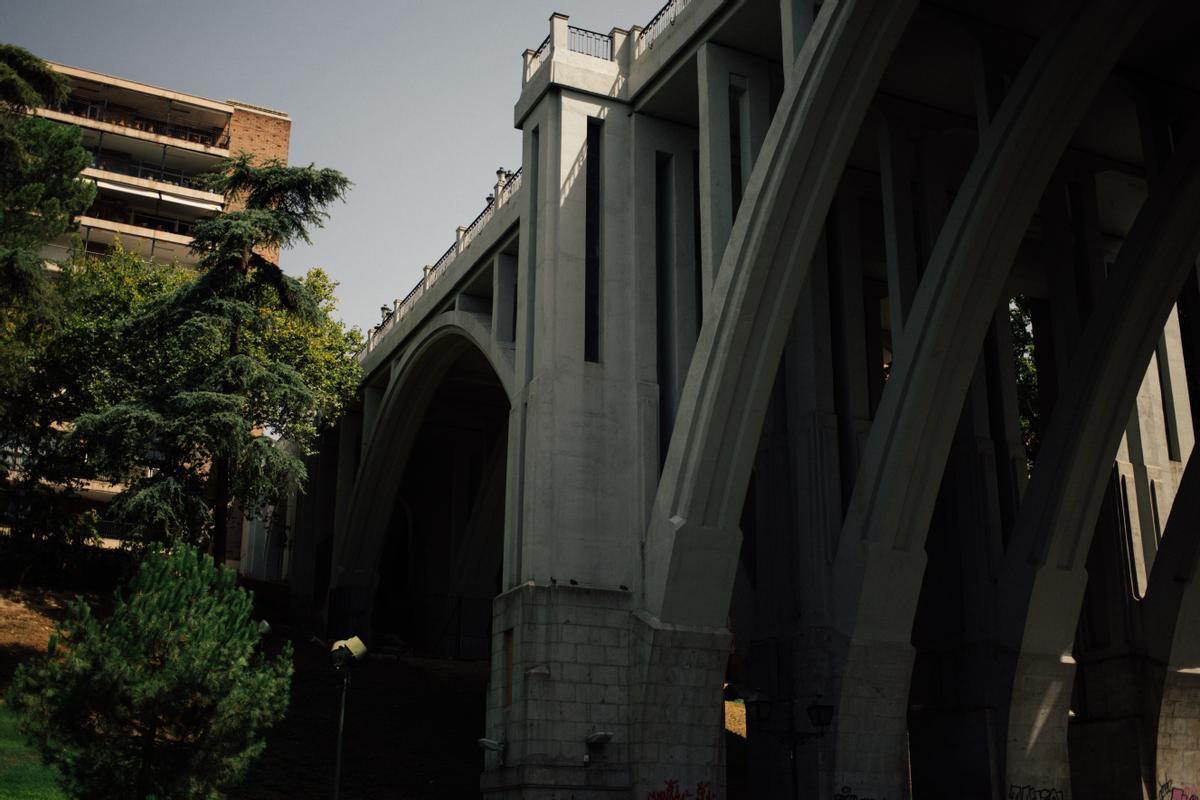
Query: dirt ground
27, 618
411, 723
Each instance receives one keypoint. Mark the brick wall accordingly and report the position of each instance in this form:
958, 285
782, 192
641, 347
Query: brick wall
264, 133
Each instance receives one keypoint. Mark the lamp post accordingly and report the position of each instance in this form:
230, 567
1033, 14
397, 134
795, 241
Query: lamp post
760, 707
344, 654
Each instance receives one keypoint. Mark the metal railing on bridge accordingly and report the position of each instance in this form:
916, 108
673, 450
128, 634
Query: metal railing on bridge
400, 308
659, 24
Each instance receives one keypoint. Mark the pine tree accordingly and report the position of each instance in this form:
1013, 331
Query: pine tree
191, 444
40, 194
165, 698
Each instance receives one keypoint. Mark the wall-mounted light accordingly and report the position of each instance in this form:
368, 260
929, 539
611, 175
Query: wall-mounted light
595, 741
598, 738
493, 746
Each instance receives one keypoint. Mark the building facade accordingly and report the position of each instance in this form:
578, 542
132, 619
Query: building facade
149, 145
846, 354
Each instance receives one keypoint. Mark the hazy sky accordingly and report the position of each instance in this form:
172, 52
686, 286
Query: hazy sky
412, 100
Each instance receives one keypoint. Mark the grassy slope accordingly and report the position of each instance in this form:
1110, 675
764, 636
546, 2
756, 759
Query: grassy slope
22, 775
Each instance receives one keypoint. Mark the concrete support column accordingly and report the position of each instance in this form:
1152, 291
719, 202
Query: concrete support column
667, 307
504, 299
719, 70
372, 398
896, 156
795, 21
346, 608
313, 525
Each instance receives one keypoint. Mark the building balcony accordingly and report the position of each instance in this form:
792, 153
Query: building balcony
132, 118
153, 244
209, 143
166, 186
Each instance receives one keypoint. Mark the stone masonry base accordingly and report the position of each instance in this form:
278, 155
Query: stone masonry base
590, 699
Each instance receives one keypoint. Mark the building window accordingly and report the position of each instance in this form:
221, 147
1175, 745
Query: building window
508, 667
591, 266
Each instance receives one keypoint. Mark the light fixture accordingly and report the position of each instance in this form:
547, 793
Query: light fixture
493, 746
598, 738
820, 715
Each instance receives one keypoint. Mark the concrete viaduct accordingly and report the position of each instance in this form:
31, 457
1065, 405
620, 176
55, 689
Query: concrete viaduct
848, 354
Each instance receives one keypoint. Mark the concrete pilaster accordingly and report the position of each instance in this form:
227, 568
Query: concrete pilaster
718, 69
795, 21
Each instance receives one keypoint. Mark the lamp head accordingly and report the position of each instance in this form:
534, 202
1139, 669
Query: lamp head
347, 651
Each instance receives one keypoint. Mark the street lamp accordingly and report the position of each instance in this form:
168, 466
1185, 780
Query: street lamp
760, 707
344, 653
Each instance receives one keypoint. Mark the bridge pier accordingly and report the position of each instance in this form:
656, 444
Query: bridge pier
590, 696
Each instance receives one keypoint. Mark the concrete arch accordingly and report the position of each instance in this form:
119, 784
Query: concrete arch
692, 543
690, 553
889, 513
1044, 576
415, 379
1171, 621
880, 562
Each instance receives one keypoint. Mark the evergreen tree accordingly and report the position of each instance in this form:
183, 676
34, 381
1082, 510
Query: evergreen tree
191, 443
165, 698
40, 195
74, 370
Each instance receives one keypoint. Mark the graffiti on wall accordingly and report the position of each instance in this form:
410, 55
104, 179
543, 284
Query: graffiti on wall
1035, 793
1169, 791
848, 794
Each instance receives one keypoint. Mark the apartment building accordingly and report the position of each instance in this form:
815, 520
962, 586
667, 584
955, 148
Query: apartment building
149, 145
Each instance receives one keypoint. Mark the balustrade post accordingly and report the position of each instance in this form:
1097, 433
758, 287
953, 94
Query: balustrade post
428, 269
527, 62
460, 235
558, 33
622, 49
501, 179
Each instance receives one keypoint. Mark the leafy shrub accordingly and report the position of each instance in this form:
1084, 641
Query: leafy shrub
166, 698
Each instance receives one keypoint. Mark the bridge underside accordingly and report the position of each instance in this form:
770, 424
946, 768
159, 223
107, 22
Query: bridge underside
887, 403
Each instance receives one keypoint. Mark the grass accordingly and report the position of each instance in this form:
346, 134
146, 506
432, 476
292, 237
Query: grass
22, 774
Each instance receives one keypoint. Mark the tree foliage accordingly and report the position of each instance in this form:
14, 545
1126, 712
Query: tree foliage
1020, 318
168, 697
230, 360
40, 194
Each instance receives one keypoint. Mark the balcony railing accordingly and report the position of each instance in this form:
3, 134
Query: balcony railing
505, 191
140, 169
125, 215
589, 43
131, 119
660, 24
538, 57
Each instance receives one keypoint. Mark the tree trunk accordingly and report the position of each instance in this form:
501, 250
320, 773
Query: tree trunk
220, 477
220, 473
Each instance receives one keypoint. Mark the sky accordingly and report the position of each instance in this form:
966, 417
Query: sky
413, 101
